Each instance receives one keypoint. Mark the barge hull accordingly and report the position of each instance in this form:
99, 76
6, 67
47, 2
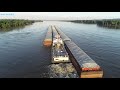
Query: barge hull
79, 60
48, 39
92, 74
47, 42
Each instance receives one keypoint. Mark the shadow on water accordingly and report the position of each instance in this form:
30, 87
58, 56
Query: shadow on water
11, 29
109, 28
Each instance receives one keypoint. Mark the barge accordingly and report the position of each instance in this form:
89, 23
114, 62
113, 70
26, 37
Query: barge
58, 51
84, 65
48, 39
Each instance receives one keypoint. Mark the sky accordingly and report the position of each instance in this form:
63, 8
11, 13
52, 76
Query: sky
59, 15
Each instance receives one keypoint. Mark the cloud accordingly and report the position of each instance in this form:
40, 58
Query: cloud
59, 15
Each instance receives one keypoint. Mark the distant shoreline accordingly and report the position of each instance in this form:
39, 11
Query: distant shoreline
109, 23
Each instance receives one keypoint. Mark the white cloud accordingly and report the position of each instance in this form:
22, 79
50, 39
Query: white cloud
59, 15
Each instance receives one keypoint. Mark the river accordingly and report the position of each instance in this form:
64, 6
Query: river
22, 54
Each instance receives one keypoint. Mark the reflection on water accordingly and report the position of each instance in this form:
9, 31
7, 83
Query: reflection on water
10, 29
22, 53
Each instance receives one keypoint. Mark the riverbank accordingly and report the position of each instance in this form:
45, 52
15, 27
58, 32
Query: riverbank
109, 23
6, 24
113, 23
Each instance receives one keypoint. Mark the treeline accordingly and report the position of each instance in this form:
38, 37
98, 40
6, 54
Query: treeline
85, 21
10, 23
111, 23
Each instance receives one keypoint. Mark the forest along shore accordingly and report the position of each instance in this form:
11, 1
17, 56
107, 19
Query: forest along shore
14, 23
109, 23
